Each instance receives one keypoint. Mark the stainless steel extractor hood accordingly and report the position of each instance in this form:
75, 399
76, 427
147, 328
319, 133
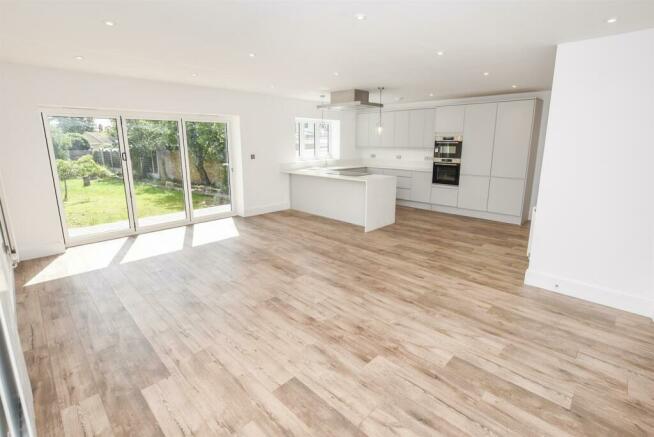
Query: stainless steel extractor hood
349, 100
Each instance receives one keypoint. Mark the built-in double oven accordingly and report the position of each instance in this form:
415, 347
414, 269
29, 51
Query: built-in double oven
447, 159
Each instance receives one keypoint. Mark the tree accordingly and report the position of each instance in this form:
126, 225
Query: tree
87, 168
75, 124
207, 142
64, 141
146, 137
66, 170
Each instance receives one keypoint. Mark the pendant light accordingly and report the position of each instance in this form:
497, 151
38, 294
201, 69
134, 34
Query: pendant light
380, 128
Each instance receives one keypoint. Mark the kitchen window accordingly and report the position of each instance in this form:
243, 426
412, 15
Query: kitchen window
316, 138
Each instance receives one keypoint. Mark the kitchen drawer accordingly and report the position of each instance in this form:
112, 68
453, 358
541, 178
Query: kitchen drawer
403, 193
444, 196
403, 182
399, 173
375, 170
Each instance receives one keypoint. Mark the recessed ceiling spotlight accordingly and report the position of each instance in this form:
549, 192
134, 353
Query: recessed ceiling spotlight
514, 86
109, 23
252, 55
611, 20
194, 75
336, 73
79, 58
360, 17
486, 73
431, 94
440, 53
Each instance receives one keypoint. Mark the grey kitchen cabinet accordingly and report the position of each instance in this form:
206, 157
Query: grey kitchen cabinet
478, 137
450, 119
403, 193
421, 128
388, 129
401, 129
513, 138
442, 195
362, 130
421, 186
429, 128
473, 192
506, 196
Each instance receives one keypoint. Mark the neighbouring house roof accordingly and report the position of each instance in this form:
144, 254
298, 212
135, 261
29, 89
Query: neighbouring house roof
98, 140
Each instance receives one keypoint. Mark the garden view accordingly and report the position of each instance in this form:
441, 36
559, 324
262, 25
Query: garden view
90, 170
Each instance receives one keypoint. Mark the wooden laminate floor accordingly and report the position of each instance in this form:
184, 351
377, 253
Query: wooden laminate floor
289, 324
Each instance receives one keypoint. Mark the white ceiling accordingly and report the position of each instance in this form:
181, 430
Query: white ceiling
299, 45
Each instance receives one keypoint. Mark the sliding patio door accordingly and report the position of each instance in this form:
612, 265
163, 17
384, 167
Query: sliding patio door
121, 174
209, 167
156, 164
89, 161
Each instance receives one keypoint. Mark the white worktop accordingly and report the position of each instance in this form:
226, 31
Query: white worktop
424, 166
323, 173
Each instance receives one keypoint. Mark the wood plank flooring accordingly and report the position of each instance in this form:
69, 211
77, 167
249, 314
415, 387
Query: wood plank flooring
305, 326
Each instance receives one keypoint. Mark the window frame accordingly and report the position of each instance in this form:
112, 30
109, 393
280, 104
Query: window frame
300, 151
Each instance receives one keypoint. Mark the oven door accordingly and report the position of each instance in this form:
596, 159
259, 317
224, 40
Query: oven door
446, 174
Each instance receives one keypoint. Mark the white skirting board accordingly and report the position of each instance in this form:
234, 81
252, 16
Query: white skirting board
582, 290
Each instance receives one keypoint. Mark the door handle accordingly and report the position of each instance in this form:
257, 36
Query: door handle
124, 156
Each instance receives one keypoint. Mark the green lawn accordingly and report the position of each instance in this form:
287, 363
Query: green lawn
104, 201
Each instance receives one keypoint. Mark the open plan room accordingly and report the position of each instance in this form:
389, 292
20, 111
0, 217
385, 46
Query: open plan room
319, 218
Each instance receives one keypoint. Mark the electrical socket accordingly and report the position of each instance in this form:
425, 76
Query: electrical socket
372, 155
398, 156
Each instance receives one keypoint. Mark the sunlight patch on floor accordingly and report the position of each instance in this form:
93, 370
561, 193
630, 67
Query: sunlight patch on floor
154, 244
80, 259
214, 231
95, 256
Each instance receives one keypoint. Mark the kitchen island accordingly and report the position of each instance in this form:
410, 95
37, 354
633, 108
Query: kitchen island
348, 195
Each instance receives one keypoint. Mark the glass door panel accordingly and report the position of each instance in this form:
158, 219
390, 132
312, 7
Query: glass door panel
157, 171
88, 164
207, 145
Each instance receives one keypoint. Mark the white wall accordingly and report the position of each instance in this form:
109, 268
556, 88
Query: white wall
266, 130
389, 155
594, 230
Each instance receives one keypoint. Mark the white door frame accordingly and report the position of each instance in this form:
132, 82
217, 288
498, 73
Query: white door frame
121, 117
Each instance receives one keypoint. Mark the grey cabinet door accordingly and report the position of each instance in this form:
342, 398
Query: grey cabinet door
505, 196
513, 138
416, 127
450, 118
388, 129
428, 128
473, 192
401, 129
478, 136
421, 186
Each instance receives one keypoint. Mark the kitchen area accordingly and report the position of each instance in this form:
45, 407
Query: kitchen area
479, 160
